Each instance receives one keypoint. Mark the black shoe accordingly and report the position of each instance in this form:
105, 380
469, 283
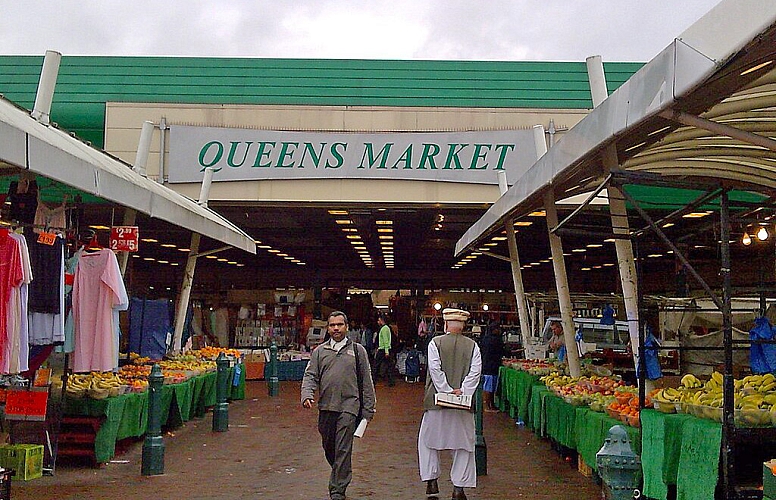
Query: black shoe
432, 488
458, 493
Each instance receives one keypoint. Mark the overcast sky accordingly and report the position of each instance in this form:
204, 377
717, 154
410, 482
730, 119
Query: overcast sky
514, 30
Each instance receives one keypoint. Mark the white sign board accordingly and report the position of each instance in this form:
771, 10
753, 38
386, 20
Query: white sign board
246, 154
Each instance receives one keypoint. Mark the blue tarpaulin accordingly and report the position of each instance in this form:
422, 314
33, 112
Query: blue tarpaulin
149, 324
762, 357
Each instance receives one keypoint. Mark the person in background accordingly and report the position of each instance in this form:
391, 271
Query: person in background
492, 350
332, 373
556, 341
454, 366
383, 364
354, 335
368, 341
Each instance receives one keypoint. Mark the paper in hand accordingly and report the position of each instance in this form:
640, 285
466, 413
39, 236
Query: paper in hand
361, 428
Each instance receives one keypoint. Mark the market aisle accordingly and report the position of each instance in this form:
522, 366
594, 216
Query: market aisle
272, 451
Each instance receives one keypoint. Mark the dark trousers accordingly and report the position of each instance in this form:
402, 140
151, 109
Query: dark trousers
383, 366
337, 438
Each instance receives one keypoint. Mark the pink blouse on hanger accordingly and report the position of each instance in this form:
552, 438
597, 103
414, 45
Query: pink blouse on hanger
97, 290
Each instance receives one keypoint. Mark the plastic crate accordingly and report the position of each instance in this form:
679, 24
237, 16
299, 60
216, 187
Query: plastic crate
25, 459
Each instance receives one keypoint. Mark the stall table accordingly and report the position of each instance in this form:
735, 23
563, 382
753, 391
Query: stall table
127, 415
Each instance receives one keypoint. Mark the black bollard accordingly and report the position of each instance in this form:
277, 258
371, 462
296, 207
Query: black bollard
480, 448
274, 384
153, 446
221, 411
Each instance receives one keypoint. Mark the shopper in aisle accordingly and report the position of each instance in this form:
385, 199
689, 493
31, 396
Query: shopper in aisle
339, 372
492, 350
454, 366
383, 362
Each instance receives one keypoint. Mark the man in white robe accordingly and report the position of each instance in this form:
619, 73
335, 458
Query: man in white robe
454, 366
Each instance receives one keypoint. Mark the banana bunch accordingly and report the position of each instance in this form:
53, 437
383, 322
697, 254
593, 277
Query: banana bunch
78, 384
759, 383
105, 380
667, 395
690, 381
555, 379
714, 382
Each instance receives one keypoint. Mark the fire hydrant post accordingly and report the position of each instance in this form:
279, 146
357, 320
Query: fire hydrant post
618, 466
153, 446
273, 386
221, 411
480, 448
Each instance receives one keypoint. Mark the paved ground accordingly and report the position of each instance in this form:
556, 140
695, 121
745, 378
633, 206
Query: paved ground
272, 451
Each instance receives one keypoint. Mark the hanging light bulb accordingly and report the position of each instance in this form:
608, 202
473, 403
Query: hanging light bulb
746, 240
762, 233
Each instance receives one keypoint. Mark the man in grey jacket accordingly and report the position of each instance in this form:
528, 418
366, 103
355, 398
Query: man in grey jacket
336, 369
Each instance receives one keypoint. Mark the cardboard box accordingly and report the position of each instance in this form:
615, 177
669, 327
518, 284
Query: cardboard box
25, 459
583, 468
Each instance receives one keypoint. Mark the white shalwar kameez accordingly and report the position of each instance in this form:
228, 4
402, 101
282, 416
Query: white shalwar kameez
449, 429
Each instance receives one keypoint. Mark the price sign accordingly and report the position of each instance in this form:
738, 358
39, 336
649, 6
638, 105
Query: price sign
47, 238
26, 405
124, 238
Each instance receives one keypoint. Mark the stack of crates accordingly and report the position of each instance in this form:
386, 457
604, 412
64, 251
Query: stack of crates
25, 459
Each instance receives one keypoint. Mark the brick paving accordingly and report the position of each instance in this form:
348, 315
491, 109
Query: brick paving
272, 451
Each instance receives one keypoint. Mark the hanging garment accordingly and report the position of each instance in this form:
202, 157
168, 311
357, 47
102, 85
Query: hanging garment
23, 198
11, 276
16, 352
47, 217
98, 295
47, 298
69, 343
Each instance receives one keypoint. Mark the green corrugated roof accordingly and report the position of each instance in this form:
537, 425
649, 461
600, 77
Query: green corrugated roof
86, 83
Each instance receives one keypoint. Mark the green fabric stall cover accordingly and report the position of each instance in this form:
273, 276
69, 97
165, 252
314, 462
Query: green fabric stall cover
183, 395
653, 457
561, 418
165, 401
673, 445
209, 390
197, 409
135, 416
699, 458
525, 384
499, 397
537, 420
511, 386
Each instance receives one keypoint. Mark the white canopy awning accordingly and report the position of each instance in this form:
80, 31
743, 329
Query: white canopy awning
679, 116
52, 153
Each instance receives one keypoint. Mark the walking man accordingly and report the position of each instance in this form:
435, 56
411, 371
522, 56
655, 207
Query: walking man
454, 366
383, 365
339, 372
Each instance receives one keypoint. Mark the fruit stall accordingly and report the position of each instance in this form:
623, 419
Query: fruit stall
100, 409
678, 432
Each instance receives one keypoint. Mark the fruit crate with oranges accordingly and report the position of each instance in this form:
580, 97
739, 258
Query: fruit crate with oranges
769, 479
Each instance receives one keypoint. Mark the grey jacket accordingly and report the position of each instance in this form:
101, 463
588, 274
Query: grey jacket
333, 375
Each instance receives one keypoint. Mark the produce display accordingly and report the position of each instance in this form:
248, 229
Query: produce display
133, 377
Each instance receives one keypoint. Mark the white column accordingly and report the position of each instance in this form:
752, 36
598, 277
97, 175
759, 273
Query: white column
562, 285
191, 264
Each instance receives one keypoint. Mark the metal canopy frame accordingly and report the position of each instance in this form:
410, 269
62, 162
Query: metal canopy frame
45, 150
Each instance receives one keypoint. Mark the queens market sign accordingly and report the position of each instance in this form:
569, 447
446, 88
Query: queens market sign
245, 154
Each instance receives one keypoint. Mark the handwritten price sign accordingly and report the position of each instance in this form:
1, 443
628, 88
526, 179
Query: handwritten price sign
124, 238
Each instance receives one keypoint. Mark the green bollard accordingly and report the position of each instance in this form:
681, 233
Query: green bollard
274, 384
153, 446
221, 411
480, 448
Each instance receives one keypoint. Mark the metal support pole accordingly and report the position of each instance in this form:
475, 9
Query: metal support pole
153, 446
221, 410
514, 260
480, 448
273, 386
728, 423
191, 264
562, 286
